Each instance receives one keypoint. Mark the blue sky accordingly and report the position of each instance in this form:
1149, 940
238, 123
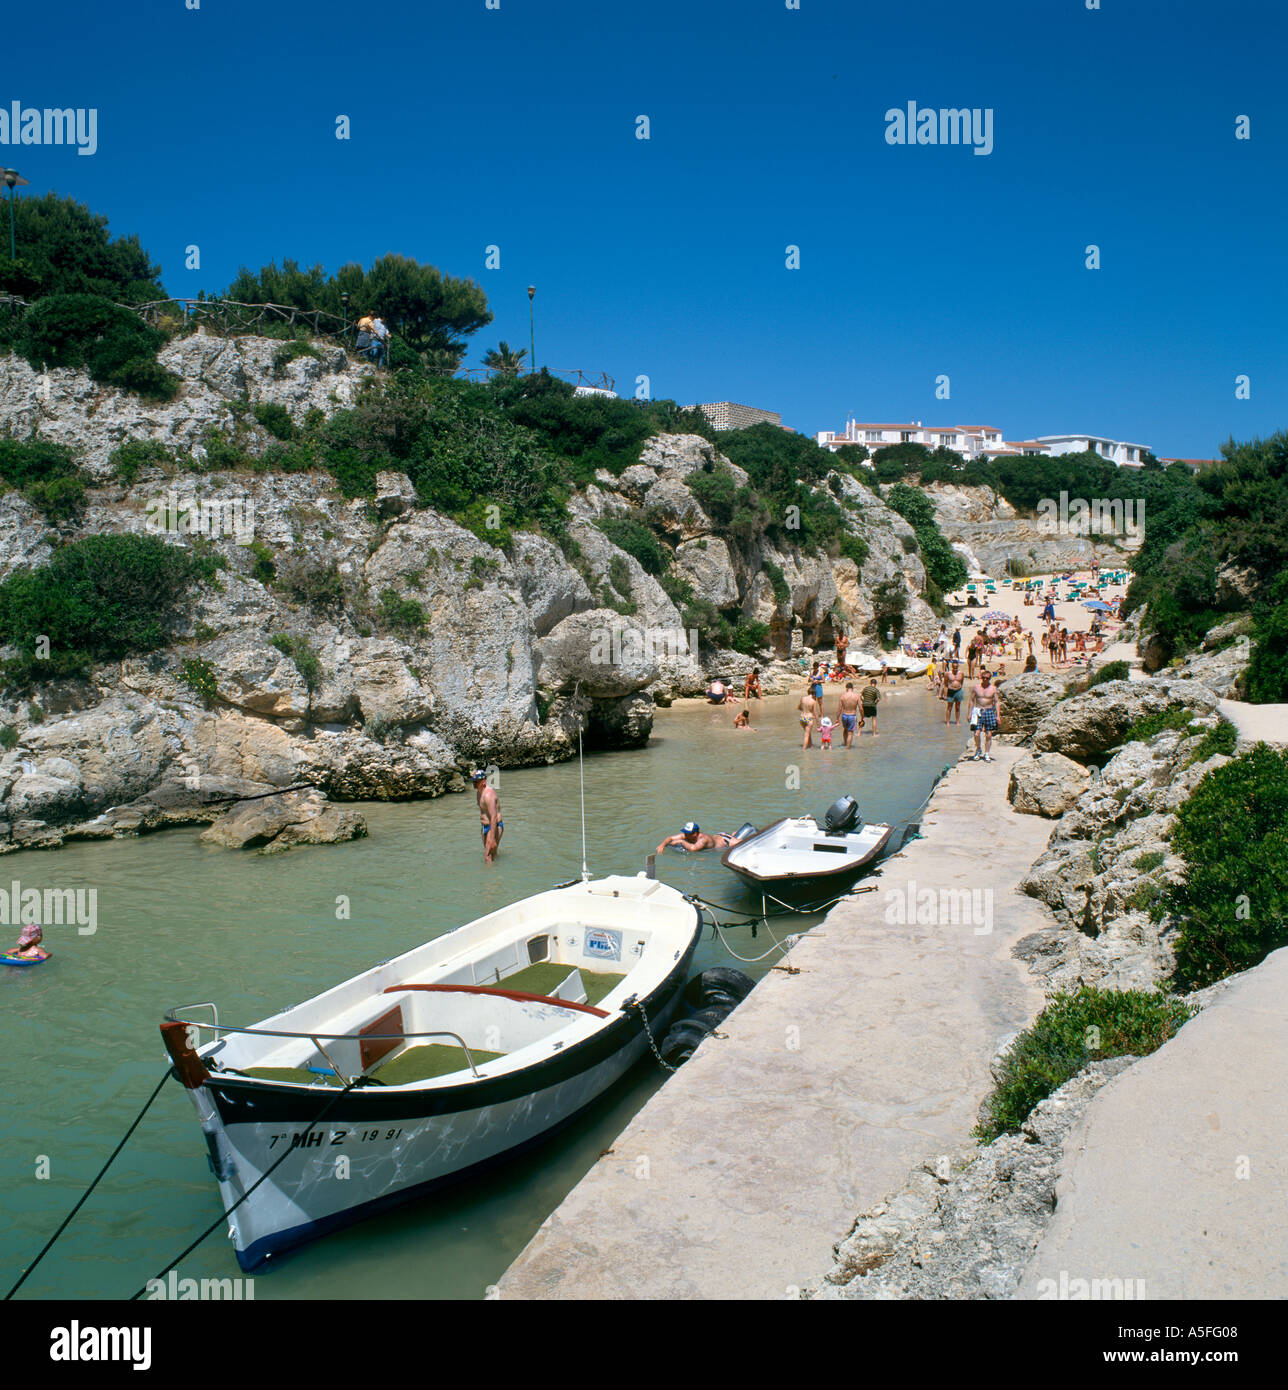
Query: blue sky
666, 257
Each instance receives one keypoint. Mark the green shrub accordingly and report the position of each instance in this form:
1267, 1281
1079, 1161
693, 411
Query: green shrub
306, 659
1173, 717
778, 581
638, 541
1151, 860
1231, 902
1222, 739
288, 352
265, 568
1110, 671
131, 457
8, 736
402, 614
316, 583
23, 462
750, 637
854, 548
59, 499
1071, 1031
619, 576
677, 588
103, 597
1267, 675
199, 676
276, 419
113, 344
45, 474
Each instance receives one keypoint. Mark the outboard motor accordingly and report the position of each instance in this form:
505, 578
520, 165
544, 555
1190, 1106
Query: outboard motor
745, 830
842, 816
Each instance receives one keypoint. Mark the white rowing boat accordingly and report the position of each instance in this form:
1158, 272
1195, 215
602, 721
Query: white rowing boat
795, 854
433, 1064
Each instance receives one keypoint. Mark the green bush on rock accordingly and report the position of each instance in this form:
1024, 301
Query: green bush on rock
1071, 1031
1231, 903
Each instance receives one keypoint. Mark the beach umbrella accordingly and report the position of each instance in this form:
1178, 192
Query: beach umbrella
1096, 606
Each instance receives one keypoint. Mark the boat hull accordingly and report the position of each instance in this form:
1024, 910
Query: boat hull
365, 1150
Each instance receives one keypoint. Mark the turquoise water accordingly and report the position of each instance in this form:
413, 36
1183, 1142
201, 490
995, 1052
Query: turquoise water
179, 923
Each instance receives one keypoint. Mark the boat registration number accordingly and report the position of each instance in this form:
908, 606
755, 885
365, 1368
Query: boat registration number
299, 1139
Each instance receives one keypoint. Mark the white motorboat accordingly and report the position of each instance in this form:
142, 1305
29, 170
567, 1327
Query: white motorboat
799, 856
435, 1063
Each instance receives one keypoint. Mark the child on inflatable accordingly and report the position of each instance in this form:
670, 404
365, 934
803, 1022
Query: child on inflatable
28, 951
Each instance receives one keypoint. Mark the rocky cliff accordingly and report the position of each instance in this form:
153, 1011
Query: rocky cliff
989, 533
434, 649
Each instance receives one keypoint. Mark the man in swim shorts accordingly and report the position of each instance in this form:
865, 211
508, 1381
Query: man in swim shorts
952, 687
490, 822
847, 711
986, 698
871, 697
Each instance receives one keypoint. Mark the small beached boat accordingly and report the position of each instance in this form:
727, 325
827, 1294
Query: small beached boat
433, 1064
798, 857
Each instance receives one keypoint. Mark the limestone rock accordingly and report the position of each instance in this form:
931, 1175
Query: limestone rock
608, 654
1089, 724
1027, 700
1046, 784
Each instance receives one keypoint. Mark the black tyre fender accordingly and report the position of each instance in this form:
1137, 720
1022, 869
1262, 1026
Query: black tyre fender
713, 1015
720, 981
682, 1041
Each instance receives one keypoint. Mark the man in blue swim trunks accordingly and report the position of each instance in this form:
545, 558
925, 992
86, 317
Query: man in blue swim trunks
490, 822
847, 711
952, 689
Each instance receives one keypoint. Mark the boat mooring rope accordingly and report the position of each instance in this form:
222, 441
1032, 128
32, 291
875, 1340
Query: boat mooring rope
49, 1244
267, 1173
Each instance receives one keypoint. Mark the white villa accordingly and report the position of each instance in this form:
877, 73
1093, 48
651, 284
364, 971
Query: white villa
973, 440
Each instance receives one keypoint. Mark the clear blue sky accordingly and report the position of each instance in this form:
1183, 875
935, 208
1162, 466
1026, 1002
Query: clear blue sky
666, 257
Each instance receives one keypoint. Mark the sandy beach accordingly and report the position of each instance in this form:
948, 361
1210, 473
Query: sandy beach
1070, 615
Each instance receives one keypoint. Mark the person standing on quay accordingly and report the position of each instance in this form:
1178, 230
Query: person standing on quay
985, 698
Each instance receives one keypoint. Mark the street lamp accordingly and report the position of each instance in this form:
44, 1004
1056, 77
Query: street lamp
344, 300
532, 347
12, 180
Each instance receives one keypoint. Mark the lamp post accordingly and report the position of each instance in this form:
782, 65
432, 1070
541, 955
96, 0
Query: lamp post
12, 180
532, 346
344, 301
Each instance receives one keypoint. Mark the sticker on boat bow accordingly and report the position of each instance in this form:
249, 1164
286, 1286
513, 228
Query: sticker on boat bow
604, 944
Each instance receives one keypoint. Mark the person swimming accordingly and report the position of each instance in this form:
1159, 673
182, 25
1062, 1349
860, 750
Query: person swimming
693, 838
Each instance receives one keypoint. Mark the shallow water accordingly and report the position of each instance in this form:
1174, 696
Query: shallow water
179, 922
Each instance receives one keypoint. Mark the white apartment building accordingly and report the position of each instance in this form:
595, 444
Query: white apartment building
1115, 450
973, 440
967, 440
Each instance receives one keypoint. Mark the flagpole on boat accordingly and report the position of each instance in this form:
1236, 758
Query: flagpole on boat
581, 773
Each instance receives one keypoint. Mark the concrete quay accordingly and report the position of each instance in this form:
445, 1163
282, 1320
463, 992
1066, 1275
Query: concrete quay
866, 1052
